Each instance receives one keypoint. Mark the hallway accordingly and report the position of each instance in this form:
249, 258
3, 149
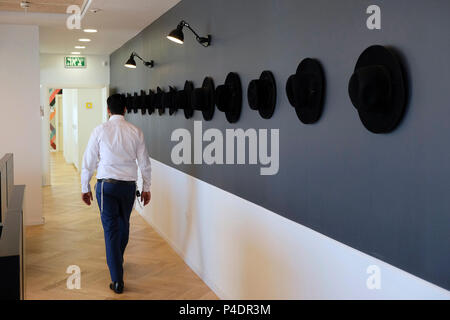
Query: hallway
73, 235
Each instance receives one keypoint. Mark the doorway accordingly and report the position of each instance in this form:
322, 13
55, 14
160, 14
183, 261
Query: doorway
71, 115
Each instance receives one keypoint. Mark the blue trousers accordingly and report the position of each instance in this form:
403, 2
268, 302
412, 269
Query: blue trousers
115, 202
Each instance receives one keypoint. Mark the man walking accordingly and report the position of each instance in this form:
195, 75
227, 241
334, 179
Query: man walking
113, 149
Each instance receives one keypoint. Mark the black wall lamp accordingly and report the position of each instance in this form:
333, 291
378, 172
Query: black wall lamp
177, 35
131, 63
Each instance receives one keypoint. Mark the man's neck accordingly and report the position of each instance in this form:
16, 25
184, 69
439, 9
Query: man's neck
116, 117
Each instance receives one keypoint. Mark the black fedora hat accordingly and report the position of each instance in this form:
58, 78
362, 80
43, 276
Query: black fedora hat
129, 102
203, 99
141, 102
148, 102
262, 94
157, 101
135, 102
183, 99
305, 90
168, 100
124, 97
377, 89
229, 97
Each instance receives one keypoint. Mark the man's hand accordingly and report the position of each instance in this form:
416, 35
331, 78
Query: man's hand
87, 197
145, 197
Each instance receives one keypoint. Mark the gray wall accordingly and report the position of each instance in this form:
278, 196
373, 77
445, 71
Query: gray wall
386, 195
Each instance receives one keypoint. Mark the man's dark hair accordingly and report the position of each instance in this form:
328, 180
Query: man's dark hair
116, 104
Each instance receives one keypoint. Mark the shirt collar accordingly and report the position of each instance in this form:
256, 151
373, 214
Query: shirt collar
116, 117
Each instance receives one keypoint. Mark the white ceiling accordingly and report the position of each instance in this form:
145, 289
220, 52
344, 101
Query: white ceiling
116, 22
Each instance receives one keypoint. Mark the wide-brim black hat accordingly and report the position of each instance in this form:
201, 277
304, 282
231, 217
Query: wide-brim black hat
183, 99
305, 90
262, 94
148, 102
157, 101
203, 99
142, 98
169, 100
124, 96
135, 102
377, 89
129, 102
229, 97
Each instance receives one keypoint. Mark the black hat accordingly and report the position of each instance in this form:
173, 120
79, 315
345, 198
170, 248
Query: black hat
262, 94
129, 102
168, 100
141, 102
148, 102
203, 99
305, 90
135, 102
377, 89
229, 97
124, 96
183, 99
157, 101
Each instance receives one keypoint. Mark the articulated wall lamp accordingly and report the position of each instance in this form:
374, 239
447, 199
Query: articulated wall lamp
177, 35
131, 63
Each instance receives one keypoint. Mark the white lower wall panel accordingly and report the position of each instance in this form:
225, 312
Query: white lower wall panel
243, 251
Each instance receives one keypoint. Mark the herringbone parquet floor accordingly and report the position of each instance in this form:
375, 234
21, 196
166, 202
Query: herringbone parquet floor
73, 235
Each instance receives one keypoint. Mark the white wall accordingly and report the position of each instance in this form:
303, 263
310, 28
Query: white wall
243, 251
45, 135
70, 102
80, 121
55, 75
20, 122
88, 119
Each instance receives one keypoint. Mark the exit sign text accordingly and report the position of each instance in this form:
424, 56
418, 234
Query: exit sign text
75, 62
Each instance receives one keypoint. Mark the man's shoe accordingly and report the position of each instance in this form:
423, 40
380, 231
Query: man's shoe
117, 287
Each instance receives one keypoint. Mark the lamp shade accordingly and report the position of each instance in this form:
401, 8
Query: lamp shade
131, 63
176, 35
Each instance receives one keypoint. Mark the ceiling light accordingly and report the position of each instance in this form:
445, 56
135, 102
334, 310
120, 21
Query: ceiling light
75, 52
90, 30
80, 47
177, 35
131, 63
84, 40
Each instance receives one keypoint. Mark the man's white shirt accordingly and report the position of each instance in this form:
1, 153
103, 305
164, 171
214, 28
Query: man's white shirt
113, 149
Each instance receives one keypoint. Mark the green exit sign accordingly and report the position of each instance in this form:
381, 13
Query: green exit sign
75, 62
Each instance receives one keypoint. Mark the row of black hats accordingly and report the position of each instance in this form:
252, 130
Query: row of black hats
376, 88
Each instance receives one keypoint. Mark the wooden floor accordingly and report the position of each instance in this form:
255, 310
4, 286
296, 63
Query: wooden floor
73, 235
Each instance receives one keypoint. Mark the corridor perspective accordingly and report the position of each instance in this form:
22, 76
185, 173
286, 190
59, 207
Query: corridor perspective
73, 235
244, 151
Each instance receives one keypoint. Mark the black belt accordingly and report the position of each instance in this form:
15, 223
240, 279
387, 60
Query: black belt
114, 181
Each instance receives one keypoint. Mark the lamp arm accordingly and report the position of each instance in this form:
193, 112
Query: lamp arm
185, 24
137, 56
197, 36
147, 63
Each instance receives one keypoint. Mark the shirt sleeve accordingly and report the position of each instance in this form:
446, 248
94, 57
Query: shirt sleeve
144, 163
90, 162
